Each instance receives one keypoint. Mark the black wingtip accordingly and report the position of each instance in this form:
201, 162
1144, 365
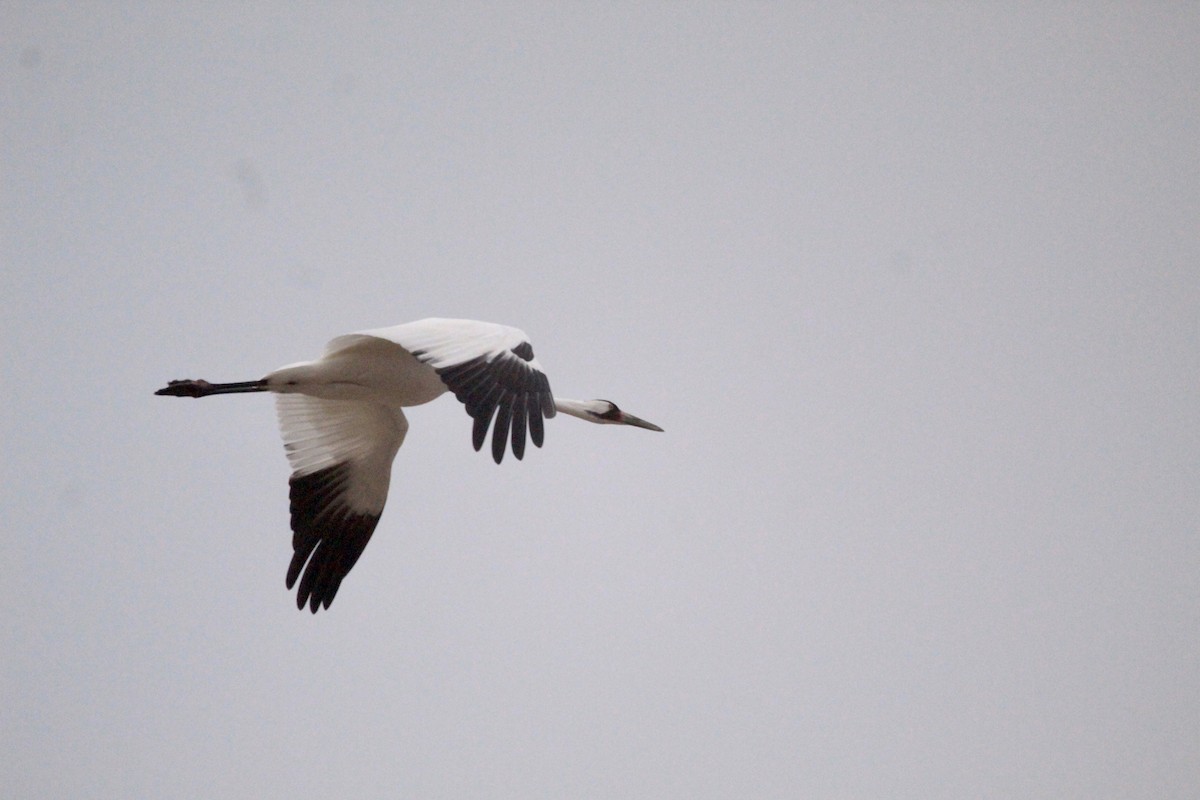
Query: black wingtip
327, 538
500, 431
506, 388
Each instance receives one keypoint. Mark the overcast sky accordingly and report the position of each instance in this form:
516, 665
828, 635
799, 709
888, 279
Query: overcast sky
914, 290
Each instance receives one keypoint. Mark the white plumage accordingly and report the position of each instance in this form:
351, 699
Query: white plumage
342, 421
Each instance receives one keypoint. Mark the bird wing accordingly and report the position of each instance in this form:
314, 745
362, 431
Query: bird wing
490, 369
341, 455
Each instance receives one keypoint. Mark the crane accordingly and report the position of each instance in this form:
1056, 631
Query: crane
342, 420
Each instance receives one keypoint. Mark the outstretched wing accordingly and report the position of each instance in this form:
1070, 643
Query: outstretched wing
341, 455
490, 369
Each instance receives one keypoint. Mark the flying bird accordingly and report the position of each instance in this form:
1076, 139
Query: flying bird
342, 420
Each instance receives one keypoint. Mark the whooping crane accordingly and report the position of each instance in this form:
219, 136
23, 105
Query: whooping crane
343, 421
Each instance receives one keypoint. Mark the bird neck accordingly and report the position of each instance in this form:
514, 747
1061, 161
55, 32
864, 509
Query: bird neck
584, 409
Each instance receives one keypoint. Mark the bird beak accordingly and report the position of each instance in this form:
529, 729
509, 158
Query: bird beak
630, 419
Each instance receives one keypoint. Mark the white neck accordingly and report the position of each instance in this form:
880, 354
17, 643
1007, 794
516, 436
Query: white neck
579, 408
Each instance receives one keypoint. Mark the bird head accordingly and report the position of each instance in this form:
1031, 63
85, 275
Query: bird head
606, 412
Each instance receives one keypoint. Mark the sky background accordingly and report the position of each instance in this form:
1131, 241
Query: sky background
914, 290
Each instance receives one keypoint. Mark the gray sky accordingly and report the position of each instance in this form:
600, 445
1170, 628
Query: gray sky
913, 289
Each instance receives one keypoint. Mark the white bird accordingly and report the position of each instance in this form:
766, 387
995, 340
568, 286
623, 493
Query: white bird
342, 419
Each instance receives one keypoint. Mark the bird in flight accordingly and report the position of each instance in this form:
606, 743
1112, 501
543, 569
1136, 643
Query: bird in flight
342, 420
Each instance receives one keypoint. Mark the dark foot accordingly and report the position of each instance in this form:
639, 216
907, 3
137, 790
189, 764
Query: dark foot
186, 388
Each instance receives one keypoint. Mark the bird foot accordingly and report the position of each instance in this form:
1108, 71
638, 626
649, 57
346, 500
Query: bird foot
186, 388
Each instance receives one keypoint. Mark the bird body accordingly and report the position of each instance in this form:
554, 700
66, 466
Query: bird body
342, 421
